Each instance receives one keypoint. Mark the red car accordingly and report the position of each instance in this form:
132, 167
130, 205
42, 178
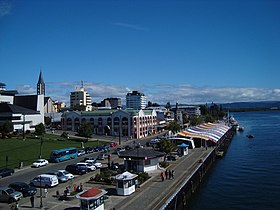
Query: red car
113, 144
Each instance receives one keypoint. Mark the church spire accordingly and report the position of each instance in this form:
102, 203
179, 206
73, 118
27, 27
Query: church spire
41, 85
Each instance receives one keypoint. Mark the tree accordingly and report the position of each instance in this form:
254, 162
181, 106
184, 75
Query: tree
48, 121
174, 127
6, 128
40, 129
195, 120
85, 130
166, 146
64, 135
79, 107
168, 106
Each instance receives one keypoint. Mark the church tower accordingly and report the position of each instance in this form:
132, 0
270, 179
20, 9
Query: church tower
41, 89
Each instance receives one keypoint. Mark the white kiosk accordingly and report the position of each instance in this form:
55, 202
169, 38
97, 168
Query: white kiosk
92, 199
183, 149
126, 183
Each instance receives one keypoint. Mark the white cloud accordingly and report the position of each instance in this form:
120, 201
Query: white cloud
162, 93
5, 8
25, 90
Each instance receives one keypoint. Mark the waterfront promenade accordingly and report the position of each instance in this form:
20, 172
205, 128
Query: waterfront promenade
151, 195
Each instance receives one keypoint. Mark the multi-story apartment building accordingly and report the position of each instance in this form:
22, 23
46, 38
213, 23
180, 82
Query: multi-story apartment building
80, 97
127, 123
111, 102
136, 100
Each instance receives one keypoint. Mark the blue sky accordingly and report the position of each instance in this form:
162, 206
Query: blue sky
185, 51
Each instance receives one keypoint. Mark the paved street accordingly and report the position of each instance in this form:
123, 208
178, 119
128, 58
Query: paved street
151, 195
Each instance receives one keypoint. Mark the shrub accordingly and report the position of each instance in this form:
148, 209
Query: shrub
142, 177
164, 164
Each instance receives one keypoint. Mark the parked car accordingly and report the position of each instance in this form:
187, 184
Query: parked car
61, 177
89, 150
44, 180
81, 152
76, 169
154, 141
113, 144
119, 149
66, 173
6, 172
9, 195
101, 157
105, 148
89, 158
90, 166
93, 162
172, 157
39, 163
24, 188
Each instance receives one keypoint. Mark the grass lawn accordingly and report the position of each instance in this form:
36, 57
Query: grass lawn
17, 150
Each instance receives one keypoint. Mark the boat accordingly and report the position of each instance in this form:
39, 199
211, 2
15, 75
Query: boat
240, 128
250, 136
220, 153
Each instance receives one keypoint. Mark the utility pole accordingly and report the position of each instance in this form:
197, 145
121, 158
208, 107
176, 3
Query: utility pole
120, 127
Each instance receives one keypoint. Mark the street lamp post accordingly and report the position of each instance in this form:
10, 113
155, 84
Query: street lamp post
41, 144
41, 196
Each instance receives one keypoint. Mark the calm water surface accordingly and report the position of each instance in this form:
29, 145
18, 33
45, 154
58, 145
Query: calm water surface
248, 177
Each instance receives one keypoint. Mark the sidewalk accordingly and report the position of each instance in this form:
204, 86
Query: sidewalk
151, 195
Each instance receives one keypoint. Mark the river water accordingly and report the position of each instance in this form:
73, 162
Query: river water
248, 176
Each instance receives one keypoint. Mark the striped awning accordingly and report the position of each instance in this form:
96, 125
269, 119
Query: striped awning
206, 131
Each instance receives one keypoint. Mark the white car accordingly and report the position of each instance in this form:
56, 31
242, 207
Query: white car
90, 166
66, 173
93, 162
39, 163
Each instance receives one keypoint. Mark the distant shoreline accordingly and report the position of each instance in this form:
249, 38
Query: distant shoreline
254, 109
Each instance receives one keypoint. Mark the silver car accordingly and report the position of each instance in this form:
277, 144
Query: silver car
9, 195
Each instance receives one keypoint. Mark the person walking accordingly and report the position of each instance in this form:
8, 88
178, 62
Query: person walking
172, 173
162, 176
166, 175
32, 201
46, 192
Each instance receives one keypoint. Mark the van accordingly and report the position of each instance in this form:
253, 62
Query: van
44, 180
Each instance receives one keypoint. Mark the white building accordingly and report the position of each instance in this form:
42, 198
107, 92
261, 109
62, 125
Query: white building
80, 97
136, 100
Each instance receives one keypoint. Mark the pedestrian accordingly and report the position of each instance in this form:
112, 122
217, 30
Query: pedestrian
17, 206
162, 176
166, 174
75, 187
32, 201
81, 186
46, 192
172, 173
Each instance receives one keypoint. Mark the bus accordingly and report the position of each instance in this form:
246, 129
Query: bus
63, 154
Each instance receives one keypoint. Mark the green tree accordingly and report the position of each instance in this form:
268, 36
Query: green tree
79, 107
166, 146
6, 128
174, 127
64, 135
40, 129
85, 130
195, 120
168, 106
209, 118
